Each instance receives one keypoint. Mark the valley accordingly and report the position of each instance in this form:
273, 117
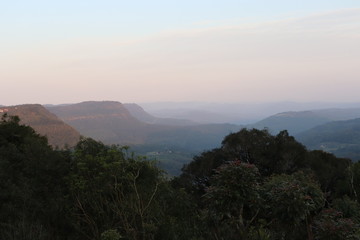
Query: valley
173, 142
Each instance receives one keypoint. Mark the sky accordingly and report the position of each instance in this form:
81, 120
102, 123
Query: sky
54, 52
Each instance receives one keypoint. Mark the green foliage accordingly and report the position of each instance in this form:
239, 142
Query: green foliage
170, 158
330, 225
348, 207
259, 233
282, 204
341, 138
232, 199
113, 190
182, 218
331, 172
354, 178
271, 154
31, 182
196, 175
291, 199
58, 133
234, 185
111, 234
256, 186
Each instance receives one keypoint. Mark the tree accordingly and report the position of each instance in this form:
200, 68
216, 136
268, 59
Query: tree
232, 200
196, 175
32, 184
271, 154
291, 201
331, 172
354, 179
348, 207
331, 225
111, 190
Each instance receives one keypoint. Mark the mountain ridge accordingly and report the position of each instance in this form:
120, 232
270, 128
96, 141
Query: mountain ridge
139, 113
58, 133
298, 121
341, 138
112, 123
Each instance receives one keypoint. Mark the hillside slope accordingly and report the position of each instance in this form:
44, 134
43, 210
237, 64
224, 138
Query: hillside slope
340, 137
139, 113
112, 123
297, 122
293, 122
45, 123
106, 121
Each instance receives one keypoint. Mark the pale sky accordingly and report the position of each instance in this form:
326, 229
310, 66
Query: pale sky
54, 52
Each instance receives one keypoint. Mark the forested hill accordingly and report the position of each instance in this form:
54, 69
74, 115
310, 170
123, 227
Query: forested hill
45, 123
107, 121
112, 123
341, 138
294, 122
298, 121
254, 186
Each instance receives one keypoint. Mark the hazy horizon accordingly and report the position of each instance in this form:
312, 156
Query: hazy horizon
195, 104
223, 112
168, 51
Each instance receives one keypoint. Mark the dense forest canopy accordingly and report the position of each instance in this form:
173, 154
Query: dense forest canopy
254, 186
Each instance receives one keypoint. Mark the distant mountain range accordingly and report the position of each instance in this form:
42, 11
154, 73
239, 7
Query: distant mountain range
140, 114
109, 122
234, 113
174, 141
59, 134
332, 130
297, 122
116, 123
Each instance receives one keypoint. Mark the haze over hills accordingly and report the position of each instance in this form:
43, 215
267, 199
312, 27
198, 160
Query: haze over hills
297, 122
339, 114
341, 138
139, 113
172, 142
106, 121
175, 141
293, 122
112, 123
59, 134
235, 113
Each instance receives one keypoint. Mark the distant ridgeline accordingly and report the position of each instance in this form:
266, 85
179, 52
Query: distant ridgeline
173, 142
253, 186
297, 122
333, 130
116, 123
58, 133
341, 138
